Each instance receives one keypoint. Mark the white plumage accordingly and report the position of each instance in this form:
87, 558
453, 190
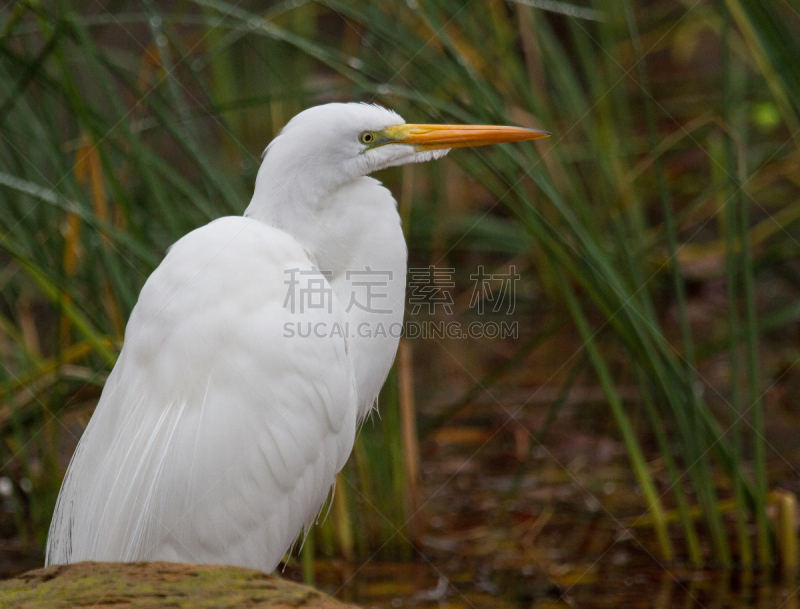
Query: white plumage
219, 433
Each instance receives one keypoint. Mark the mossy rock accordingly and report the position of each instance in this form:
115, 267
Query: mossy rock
157, 584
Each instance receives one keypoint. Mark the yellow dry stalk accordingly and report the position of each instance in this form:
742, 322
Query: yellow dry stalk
47, 366
27, 325
114, 313
89, 171
786, 537
725, 506
71, 255
351, 38
469, 54
408, 428
703, 260
150, 65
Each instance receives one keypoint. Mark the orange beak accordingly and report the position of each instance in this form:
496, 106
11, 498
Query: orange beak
436, 137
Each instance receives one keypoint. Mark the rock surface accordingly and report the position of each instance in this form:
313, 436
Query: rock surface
157, 584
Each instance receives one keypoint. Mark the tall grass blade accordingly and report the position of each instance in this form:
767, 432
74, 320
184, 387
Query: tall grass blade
706, 489
635, 454
731, 267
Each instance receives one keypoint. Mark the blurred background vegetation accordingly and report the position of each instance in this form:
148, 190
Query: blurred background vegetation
656, 234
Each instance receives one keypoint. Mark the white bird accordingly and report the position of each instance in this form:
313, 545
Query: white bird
235, 400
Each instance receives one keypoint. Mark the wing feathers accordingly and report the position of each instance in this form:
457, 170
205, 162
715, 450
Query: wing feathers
216, 438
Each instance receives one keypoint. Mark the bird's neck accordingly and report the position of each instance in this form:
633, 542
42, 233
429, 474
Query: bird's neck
287, 197
348, 230
336, 220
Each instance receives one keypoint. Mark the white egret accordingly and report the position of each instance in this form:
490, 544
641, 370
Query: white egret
235, 400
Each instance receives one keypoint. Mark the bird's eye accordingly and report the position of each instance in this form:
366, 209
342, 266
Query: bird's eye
367, 137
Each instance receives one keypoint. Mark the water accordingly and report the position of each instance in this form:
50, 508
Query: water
578, 585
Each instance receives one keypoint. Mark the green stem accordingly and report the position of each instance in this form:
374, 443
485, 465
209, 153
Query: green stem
753, 380
706, 490
635, 454
307, 558
731, 263
692, 541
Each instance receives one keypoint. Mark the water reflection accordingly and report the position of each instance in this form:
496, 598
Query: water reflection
641, 587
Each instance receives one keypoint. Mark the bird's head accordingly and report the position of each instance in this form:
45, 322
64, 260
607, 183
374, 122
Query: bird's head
335, 143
